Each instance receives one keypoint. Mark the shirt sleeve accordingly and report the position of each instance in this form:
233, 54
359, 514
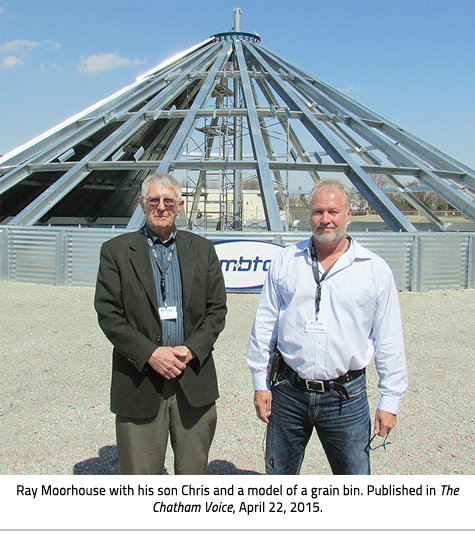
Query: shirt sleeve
264, 330
390, 357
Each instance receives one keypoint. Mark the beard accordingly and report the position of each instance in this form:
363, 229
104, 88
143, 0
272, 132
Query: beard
336, 236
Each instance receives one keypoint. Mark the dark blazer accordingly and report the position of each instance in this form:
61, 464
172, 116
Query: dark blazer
127, 308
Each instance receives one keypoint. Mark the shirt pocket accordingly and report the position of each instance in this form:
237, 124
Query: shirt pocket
350, 305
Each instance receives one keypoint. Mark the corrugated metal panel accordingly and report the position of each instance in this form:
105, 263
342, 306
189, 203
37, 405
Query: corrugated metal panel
65, 256
3, 254
82, 255
444, 261
34, 257
396, 250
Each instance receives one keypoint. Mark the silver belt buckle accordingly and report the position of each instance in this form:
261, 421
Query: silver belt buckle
316, 386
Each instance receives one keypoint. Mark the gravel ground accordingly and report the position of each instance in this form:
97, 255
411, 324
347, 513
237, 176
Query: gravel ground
54, 408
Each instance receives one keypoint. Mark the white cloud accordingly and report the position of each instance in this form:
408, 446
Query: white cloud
23, 46
11, 61
98, 63
19, 49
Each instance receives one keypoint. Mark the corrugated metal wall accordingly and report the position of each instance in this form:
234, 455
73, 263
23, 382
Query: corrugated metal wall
70, 257
82, 249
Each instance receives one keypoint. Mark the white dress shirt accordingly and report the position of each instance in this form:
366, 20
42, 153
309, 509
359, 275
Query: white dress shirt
359, 317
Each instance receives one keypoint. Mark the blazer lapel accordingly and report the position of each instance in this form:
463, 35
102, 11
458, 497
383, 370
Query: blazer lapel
140, 260
187, 264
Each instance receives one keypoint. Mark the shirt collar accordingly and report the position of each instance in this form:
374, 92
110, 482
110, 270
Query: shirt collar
157, 240
309, 245
354, 251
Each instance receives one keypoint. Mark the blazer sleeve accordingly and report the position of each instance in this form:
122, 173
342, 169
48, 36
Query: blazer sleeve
119, 322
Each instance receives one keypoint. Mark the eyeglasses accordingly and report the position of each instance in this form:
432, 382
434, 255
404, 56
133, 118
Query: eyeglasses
384, 444
153, 202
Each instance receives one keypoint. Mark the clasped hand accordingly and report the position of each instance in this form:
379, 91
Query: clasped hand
170, 361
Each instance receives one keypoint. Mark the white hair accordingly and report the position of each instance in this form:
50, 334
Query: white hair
332, 185
163, 180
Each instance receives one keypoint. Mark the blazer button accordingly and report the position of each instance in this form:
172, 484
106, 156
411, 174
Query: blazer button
158, 339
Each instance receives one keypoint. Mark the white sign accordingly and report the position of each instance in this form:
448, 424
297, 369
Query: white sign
245, 262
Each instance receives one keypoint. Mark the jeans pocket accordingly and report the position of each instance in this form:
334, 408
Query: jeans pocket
357, 388
358, 394
281, 380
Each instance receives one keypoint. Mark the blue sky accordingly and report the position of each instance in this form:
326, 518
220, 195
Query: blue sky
411, 61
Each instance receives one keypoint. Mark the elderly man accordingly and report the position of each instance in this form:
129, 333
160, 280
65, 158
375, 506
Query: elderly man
161, 301
328, 305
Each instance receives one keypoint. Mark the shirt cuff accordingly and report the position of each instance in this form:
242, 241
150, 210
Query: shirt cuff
390, 404
260, 382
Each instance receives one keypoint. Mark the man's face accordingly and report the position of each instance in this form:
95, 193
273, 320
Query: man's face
161, 209
329, 216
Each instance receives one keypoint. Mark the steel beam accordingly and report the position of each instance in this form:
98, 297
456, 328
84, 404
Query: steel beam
100, 109
40, 206
78, 135
371, 159
283, 191
202, 176
197, 164
284, 122
448, 192
269, 201
349, 109
338, 123
390, 214
419, 147
237, 174
188, 125
67, 138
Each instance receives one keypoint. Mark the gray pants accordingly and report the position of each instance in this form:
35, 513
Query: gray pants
142, 443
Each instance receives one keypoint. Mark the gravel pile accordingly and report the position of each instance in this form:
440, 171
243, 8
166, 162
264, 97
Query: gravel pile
54, 408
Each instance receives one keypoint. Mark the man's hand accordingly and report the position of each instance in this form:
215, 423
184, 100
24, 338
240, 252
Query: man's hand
263, 404
384, 422
184, 354
165, 361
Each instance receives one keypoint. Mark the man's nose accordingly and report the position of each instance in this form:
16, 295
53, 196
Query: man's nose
326, 218
161, 204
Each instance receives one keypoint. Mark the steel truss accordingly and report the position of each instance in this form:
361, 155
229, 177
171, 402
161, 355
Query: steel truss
225, 111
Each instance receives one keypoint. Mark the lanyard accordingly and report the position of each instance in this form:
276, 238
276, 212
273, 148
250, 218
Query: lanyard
316, 275
318, 281
161, 267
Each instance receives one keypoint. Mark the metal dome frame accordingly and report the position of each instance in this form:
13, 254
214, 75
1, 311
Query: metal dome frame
242, 109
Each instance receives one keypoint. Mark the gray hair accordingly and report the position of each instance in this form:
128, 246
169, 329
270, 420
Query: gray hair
163, 180
332, 185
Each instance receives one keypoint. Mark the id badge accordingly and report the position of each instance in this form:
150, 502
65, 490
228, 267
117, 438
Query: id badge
167, 313
315, 326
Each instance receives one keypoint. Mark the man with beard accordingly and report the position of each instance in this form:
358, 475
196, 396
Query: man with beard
328, 305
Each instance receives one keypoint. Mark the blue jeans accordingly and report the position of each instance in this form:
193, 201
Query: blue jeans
343, 427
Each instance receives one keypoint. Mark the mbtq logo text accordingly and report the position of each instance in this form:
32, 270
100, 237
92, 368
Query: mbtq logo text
245, 265
245, 262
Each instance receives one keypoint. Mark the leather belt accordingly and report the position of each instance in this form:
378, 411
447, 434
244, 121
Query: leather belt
323, 386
